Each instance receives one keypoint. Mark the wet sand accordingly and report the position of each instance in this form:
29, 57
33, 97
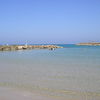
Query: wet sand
15, 94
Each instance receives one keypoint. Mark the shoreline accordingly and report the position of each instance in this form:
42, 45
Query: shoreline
90, 44
7, 93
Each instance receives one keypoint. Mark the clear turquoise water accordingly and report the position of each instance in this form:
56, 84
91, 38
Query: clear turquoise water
70, 72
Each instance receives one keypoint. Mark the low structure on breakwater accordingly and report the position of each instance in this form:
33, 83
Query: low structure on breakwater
90, 44
25, 47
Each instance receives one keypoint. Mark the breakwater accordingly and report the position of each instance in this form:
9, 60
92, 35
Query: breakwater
25, 47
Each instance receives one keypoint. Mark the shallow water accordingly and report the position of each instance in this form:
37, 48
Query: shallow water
70, 73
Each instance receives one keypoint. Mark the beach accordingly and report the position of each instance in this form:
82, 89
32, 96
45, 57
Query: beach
18, 94
49, 49
15, 94
68, 73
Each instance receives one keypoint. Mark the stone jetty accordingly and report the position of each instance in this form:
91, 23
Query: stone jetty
26, 47
90, 44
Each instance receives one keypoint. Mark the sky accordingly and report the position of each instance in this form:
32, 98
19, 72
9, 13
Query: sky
49, 21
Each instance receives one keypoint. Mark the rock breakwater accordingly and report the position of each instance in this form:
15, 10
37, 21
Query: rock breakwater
25, 47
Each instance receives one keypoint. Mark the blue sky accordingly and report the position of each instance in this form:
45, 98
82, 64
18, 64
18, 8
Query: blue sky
49, 21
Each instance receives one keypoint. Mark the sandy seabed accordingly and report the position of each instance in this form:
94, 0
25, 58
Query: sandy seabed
15, 94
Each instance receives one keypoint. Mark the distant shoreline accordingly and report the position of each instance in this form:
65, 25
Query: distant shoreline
26, 47
90, 44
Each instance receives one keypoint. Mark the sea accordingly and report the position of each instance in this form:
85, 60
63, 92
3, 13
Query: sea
69, 73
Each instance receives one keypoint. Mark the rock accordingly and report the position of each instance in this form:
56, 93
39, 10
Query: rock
19, 47
23, 47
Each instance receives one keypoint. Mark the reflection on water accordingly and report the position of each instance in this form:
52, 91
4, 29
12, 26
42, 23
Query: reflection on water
68, 73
